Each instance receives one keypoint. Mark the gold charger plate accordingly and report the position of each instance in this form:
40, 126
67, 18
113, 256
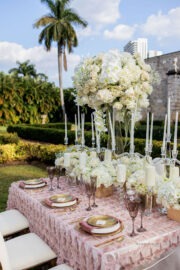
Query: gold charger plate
64, 207
61, 198
78, 227
102, 221
33, 182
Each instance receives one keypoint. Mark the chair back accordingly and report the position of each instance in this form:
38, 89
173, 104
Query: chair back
4, 259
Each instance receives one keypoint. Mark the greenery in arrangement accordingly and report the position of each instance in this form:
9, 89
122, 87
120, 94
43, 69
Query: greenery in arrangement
10, 174
59, 26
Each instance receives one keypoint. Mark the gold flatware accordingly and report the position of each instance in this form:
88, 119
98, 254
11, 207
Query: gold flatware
110, 241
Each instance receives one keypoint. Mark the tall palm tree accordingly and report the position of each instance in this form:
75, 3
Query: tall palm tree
25, 69
59, 27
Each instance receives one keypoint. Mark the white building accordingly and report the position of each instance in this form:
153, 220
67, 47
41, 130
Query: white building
139, 45
153, 53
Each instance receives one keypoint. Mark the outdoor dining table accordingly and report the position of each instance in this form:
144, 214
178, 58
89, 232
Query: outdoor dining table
77, 248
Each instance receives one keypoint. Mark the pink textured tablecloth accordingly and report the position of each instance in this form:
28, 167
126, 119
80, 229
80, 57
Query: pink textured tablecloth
78, 248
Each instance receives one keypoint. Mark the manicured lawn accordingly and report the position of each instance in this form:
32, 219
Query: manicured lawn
9, 174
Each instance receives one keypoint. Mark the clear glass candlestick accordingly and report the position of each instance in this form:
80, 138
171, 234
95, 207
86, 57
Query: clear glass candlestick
163, 152
150, 149
66, 141
174, 156
149, 201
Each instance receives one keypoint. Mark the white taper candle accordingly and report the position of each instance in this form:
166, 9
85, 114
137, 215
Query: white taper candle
164, 135
151, 132
147, 132
92, 124
79, 125
169, 120
175, 132
132, 132
65, 126
76, 138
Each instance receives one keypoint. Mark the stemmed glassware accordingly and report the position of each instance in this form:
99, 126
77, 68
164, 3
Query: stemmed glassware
58, 174
142, 210
89, 191
94, 184
51, 172
132, 202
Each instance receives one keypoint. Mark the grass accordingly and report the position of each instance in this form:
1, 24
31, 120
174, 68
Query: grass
9, 174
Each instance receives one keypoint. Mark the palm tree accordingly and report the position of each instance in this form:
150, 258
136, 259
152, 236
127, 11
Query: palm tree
25, 69
59, 27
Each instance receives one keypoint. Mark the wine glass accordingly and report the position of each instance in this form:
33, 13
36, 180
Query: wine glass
58, 174
142, 210
51, 172
94, 184
132, 202
88, 189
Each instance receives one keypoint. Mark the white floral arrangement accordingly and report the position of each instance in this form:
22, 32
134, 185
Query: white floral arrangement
114, 79
133, 164
169, 193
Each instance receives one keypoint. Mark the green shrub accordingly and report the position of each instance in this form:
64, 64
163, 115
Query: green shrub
6, 138
51, 125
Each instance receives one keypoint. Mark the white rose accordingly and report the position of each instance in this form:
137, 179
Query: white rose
105, 95
117, 106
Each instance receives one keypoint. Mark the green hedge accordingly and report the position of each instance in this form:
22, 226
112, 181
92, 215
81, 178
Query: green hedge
51, 125
6, 138
51, 135
56, 136
46, 153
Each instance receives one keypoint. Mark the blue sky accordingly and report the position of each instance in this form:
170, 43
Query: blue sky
112, 23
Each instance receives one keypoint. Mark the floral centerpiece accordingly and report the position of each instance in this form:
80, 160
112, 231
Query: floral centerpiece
169, 196
114, 80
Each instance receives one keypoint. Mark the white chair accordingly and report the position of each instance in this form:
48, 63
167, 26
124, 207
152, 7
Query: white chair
11, 222
170, 261
24, 252
61, 267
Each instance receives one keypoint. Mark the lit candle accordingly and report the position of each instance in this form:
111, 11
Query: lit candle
175, 132
76, 138
151, 132
132, 132
169, 121
112, 133
108, 156
82, 160
150, 176
164, 135
121, 173
65, 126
92, 123
147, 132
67, 159
79, 126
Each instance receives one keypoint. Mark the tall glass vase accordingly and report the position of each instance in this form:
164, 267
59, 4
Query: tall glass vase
117, 129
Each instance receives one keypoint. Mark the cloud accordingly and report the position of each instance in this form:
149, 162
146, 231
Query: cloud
98, 13
120, 32
163, 25
44, 61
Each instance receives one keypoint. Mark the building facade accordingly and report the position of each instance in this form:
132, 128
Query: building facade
137, 46
168, 67
153, 53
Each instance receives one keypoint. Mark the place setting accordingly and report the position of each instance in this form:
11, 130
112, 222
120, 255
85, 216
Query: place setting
61, 202
33, 184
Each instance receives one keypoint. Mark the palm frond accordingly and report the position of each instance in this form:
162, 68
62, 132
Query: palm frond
51, 5
73, 17
43, 21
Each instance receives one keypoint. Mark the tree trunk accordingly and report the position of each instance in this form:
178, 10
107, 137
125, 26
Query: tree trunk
60, 52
